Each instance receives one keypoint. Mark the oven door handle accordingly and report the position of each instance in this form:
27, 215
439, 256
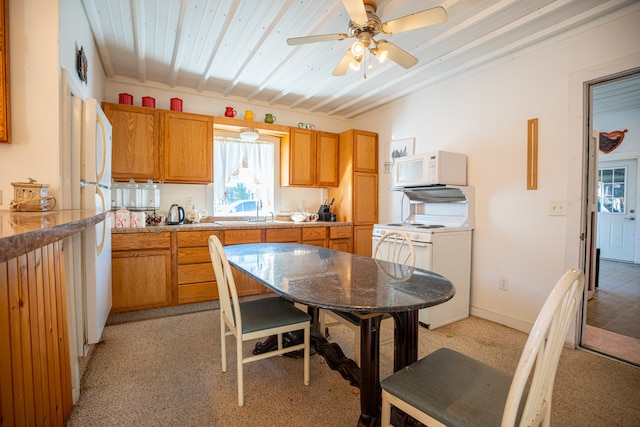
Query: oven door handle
415, 244
420, 244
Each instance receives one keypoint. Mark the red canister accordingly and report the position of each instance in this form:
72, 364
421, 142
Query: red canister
126, 98
148, 101
176, 104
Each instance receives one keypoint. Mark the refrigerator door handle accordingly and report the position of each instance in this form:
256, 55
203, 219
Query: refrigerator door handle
84, 183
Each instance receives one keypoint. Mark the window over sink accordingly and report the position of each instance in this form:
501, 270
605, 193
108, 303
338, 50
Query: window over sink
244, 174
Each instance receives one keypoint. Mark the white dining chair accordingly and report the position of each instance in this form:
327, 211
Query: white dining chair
250, 320
396, 248
448, 388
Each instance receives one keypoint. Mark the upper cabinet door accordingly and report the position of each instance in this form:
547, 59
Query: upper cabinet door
327, 159
302, 157
135, 148
365, 151
188, 148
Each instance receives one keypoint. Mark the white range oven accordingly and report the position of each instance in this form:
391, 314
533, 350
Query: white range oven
440, 225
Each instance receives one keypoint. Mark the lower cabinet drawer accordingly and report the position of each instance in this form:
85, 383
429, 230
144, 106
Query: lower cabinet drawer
197, 292
340, 232
234, 237
193, 256
283, 235
194, 273
314, 233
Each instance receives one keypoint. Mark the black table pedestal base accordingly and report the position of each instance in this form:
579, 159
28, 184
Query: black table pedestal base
405, 352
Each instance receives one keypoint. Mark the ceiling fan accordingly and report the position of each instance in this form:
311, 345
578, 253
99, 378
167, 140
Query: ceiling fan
365, 25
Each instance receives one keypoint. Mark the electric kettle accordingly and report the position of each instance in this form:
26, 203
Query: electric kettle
175, 215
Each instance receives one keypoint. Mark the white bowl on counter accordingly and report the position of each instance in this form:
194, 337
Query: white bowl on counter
299, 216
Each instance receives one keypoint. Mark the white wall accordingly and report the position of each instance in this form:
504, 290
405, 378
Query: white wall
37, 51
484, 114
33, 71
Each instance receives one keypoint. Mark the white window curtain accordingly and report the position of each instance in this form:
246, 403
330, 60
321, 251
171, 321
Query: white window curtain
251, 163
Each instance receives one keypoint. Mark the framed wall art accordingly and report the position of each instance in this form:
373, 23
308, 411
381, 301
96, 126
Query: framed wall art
5, 116
399, 148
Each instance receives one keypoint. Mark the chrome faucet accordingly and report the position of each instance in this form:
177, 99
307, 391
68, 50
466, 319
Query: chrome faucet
258, 207
272, 217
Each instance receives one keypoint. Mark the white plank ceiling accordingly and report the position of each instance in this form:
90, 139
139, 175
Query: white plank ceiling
238, 48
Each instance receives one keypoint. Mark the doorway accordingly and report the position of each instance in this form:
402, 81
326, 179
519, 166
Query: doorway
612, 312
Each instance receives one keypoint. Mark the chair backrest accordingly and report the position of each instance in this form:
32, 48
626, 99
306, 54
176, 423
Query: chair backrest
227, 293
395, 246
543, 349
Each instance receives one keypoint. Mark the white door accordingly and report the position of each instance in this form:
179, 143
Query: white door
617, 209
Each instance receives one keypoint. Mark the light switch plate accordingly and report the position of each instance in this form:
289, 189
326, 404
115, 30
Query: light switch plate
557, 208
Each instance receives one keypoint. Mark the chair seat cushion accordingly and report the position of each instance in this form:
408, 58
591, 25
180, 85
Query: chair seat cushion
453, 388
268, 313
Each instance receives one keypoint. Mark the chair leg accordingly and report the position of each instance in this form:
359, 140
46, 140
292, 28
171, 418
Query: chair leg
240, 372
223, 345
385, 414
307, 354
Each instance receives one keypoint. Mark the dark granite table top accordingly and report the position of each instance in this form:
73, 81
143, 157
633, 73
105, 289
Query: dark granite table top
337, 280
21, 232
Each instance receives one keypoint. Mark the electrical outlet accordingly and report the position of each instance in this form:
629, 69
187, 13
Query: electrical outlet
189, 202
557, 208
503, 283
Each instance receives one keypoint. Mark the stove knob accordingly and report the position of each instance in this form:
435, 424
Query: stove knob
416, 236
382, 232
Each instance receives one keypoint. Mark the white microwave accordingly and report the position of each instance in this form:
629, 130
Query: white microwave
435, 168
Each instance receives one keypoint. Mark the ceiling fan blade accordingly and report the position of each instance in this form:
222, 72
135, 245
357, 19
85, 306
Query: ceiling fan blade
425, 18
343, 66
357, 12
398, 55
293, 41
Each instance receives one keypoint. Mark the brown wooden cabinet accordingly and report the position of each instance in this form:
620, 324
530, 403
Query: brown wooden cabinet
356, 198
136, 142
365, 149
164, 146
188, 148
316, 236
340, 239
196, 279
141, 271
309, 158
245, 286
35, 372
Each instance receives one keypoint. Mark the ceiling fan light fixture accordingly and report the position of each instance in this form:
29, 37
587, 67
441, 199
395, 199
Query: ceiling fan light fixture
249, 134
355, 64
357, 49
381, 54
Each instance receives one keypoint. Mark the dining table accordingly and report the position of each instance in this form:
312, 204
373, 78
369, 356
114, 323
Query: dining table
323, 278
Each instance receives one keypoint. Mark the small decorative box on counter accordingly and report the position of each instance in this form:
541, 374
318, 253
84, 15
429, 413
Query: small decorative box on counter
31, 197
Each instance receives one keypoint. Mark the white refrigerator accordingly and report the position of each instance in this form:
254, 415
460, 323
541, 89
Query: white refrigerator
91, 190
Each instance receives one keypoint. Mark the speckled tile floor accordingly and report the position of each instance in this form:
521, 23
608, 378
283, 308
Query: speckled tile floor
165, 371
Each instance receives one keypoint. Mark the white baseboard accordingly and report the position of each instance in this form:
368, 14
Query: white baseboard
503, 320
